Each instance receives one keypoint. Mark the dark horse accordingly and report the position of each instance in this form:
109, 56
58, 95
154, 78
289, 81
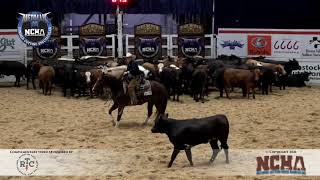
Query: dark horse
159, 97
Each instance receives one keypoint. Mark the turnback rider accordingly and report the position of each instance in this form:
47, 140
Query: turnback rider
135, 76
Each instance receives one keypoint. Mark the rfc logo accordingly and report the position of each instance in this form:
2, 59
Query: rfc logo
34, 28
27, 164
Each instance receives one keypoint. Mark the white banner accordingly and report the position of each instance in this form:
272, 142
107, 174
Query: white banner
311, 46
244, 162
11, 49
310, 66
232, 44
11, 46
288, 46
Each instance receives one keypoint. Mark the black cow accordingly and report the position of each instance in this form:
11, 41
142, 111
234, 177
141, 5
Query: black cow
187, 69
184, 134
171, 79
13, 68
266, 79
33, 68
298, 80
199, 84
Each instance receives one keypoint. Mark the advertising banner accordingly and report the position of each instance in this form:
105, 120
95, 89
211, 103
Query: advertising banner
232, 44
277, 44
313, 67
311, 46
288, 46
259, 45
75, 162
11, 49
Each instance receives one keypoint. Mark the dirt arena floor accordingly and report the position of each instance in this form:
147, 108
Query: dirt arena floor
285, 119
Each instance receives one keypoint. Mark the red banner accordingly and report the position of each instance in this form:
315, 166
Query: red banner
259, 45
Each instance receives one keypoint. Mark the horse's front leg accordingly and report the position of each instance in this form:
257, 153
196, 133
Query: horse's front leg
113, 107
120, 112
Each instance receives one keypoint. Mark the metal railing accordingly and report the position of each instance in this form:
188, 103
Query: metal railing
70, 47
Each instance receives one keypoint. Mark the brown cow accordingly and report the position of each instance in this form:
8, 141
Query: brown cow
245, 79
276, 67
45, 76
91, 78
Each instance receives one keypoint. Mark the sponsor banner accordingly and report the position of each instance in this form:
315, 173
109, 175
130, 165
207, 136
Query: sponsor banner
11, 47
288, 46
313, 67
311, 46
244, 162
259, 45
232, 44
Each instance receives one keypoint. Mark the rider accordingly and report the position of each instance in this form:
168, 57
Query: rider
135, 75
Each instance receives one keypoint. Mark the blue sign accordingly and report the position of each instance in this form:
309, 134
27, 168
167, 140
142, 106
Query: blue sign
92, 46
149, 47
48, 50
191, 46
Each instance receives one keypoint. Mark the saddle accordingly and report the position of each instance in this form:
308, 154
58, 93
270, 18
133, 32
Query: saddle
142, 90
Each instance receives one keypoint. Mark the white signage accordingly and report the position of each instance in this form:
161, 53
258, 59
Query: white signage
286, 46
11, 49
11, 46
232, 44
310, 66
311, 48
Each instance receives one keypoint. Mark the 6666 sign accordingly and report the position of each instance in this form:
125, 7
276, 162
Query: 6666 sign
286, 47
286, 44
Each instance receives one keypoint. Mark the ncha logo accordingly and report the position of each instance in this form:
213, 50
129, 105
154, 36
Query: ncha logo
34, 28
281, 164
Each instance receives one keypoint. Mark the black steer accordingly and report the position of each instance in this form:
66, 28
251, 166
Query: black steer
13, 68
298, 80
184, 134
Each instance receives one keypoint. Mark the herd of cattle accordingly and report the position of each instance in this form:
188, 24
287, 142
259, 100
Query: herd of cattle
179, 75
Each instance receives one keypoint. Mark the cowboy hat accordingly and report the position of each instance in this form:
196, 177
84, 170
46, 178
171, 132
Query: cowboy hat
129, 55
